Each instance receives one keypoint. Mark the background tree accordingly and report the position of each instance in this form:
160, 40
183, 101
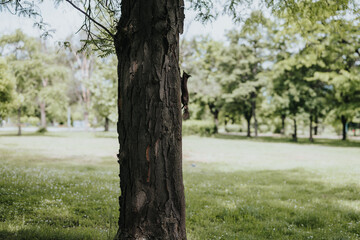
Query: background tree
103, 85
7, 89
202, 58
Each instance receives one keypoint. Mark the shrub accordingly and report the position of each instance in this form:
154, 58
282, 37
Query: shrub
42, 130
198, 127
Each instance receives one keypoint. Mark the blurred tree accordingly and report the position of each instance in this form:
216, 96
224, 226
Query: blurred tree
103, 85
201, 59
7, 89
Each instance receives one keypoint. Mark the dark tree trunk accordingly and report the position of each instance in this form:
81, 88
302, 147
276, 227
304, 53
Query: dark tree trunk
152, 202
216, 119
253, 110
311, 129
42, 115
295, 131
215, 112
19, 121
343, 121
283, 116
106, 127
316, 125
248, 120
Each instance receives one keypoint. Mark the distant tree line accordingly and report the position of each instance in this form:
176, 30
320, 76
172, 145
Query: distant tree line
277, 70
42, 85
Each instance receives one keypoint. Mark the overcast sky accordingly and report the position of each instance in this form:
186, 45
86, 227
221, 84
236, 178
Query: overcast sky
66, 21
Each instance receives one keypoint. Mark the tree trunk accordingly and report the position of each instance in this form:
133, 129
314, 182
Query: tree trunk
86, 120
42, 115
19, 121
295, 131
343, 121
152, 202
69, 117
283, 116
311, 129
316, 125
248, 120
106, 124
216, 118
253, 110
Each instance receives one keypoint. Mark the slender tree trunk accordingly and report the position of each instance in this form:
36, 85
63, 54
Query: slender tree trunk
106, 124
216, 118
248, 120
69, 117
295, 131
42, 115
283, 116
86, 120
253, 110
316, 125
19, 121
311, 129
152, 202
343, 121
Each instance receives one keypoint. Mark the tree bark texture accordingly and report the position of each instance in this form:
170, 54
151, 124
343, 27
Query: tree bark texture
42, 115
106, 127
152, 202
19, 121
343, 121
316, 125
295, 131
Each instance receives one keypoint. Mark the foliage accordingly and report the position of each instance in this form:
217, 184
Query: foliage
7, 89
197, 127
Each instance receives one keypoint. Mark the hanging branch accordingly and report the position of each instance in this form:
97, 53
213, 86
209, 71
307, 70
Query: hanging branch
90, 18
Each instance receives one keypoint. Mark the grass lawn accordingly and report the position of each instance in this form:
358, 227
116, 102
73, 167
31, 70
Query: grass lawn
66, 186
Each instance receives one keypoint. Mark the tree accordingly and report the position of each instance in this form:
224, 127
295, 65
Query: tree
19, 51
7, 89
241, 80
147, 47
202, 58
103, 87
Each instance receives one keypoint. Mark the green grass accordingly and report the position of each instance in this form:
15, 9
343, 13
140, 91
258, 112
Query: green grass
66, 186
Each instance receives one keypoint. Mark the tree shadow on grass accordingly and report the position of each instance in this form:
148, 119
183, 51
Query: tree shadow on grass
317, 141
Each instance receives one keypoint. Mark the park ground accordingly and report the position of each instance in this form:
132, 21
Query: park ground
66, 186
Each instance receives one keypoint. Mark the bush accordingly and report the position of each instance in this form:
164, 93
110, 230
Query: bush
42, 130
198, 127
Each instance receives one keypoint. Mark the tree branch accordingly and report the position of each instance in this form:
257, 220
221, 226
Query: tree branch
90, 18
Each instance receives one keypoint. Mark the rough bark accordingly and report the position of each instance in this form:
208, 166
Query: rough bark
311, 129
42, 115
294, 136
19, 121
343, 121
152, 202
106, 126
316, 125
283, 116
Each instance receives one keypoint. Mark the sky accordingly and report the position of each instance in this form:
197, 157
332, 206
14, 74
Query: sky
66, 21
